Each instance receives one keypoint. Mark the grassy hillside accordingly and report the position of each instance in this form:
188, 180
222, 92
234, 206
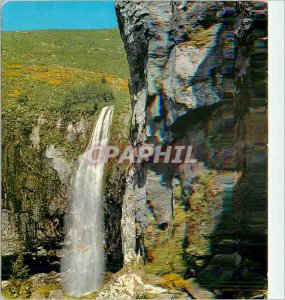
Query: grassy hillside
94, 50
40, 68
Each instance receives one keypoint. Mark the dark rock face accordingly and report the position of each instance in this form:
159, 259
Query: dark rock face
33, 214
35, 206
196, 75
114, 193
250, 107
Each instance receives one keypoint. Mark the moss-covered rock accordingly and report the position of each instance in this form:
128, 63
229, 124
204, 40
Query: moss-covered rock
183, 245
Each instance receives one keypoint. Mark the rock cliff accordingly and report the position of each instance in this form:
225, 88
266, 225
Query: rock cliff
196, 74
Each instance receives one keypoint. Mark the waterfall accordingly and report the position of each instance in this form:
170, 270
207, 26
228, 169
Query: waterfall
84, 262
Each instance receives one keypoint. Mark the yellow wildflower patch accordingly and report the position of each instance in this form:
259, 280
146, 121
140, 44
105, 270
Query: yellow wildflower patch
16, 93
14, 66
54, 81
59, 75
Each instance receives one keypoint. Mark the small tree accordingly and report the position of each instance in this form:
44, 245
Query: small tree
23, 99
19, 269
20, 272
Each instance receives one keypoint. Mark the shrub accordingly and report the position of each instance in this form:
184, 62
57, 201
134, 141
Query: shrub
19, 270
18, 286
86, 98
174, 281
23, 99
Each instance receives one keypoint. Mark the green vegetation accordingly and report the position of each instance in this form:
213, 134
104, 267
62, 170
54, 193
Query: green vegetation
86, 98
24, 289
18, 286
200, 37
19, 270
17, 289
43, 290
174, 281
52, 81
100, 51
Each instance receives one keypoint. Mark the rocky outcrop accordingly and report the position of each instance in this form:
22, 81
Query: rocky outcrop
59, 164
131, 283
35, 135
175, 57
133, 206
128, 285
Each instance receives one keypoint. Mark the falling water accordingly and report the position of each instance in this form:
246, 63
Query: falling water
85, 260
